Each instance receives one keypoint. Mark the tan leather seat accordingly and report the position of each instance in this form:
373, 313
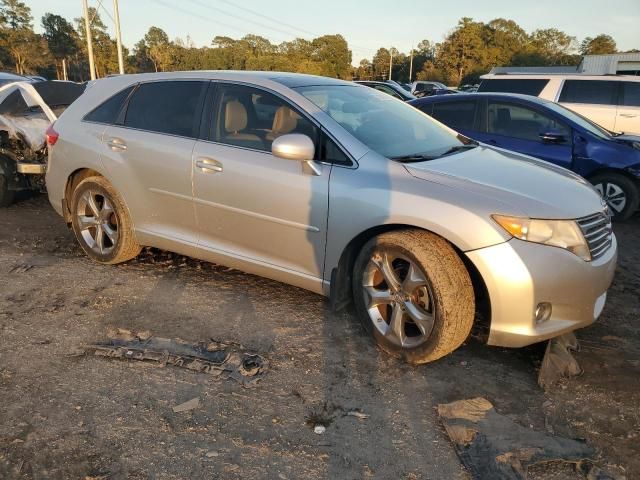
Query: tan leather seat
285, 121
235, 122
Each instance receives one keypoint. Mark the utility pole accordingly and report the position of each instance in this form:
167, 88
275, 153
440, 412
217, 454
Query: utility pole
411, 65
64, 69
87, 26
390, 61
116, 15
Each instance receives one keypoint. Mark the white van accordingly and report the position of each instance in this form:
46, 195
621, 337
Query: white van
612, 101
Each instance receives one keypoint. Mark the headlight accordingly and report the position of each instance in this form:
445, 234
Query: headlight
558, 233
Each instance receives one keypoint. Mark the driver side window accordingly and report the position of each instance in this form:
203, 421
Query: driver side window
517, 121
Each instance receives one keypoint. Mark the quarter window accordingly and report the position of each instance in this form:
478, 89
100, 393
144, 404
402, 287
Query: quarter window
597, 92
631, 94
172, 107
520, 122
457, 115
108, 111
252, 118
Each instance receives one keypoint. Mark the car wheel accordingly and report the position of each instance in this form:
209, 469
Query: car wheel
6, 196
414, 295
101, 222
620, 193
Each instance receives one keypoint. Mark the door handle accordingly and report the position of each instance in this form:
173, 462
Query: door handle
209, 165
116, 144
628, 115
493, 142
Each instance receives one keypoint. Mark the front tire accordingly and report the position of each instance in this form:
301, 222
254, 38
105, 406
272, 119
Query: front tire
414, 295
620, 192
101, 222
6, 196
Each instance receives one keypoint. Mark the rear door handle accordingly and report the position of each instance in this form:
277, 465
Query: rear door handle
116, 144
208, 165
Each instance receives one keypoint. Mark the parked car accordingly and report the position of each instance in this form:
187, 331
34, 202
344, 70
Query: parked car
611, 101
423, 88
26, 110
551, 132
389, 88
338, 189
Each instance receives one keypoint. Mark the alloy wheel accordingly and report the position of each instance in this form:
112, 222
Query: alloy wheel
399, 298
97, 222
613, 195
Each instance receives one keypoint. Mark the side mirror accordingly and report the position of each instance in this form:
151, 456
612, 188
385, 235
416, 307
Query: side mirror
294, 146
552, 136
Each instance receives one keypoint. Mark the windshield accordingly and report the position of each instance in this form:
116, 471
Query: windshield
583, 122
385, 124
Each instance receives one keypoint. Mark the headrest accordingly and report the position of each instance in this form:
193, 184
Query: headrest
504, 115
235, 116
285, 121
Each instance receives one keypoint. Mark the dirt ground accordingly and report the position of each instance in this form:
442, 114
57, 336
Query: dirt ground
74, 417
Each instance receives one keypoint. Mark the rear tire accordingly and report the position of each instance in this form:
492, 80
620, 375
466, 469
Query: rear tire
620, 192
101, 222
421, 305
6, 196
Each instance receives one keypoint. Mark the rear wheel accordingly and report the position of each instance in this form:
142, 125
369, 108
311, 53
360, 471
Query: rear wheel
101, 222
620, 193
414, 295
6, 196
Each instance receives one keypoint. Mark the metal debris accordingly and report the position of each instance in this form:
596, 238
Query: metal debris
558, 361
493, 446
215, 358
187, 406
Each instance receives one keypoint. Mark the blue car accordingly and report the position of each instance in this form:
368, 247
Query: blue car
546, 130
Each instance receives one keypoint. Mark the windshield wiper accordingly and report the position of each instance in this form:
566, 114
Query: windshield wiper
416, 157
459, 148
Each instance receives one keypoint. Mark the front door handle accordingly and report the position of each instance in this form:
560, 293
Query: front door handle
116, 144
209, 165
628, 115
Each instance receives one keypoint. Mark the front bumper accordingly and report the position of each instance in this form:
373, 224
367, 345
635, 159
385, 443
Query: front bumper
519, 275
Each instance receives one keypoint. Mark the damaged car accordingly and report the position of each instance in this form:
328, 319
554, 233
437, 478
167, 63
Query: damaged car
27, 108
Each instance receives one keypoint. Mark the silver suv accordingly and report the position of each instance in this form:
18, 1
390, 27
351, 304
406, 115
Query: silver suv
339, 189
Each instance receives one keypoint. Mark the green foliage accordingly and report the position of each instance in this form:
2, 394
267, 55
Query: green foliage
601, 45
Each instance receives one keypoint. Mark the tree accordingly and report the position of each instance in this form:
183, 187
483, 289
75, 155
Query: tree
158, 48
332, 52
504, 39
61, 38
104, 47
601, 45
27, 50
462, 51
554, 45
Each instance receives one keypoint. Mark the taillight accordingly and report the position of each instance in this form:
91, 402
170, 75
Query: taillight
51, 135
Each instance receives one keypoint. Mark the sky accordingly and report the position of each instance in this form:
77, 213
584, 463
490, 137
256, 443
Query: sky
367, 26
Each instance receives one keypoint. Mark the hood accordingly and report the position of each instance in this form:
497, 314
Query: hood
631, 140
524, 185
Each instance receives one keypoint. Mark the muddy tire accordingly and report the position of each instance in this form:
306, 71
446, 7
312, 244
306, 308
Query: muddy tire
621, 194
101, 222
414, 295
6, 196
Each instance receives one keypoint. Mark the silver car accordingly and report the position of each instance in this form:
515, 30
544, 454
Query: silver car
339, 189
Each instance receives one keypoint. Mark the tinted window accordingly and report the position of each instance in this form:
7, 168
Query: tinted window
457, 115
167, 107
524, 86
589, 91
252, 118
521, 122
387, 90
108, 111
631, 94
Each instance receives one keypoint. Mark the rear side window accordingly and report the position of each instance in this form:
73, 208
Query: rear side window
518, 121
524, 86
109, 110
457, 115
598, 92
172, 107
631, 94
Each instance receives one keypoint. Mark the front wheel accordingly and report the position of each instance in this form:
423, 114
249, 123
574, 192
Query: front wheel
101, 222
620, 193
6, 196
414, 295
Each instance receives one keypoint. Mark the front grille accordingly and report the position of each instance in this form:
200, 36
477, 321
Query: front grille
597, 231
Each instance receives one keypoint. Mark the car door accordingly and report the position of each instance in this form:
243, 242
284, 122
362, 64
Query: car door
595, 99
520, 128
250, 204
149, 151
628, 119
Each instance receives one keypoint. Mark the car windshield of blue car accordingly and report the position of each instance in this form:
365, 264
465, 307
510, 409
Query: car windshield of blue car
582, 122
385, 124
